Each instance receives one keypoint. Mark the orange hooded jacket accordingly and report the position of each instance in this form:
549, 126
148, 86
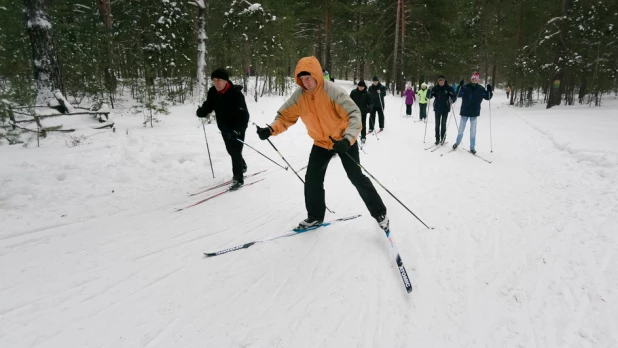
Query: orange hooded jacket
326, 111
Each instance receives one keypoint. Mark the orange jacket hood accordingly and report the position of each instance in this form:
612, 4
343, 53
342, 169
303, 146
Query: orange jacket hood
312, 66
327, 111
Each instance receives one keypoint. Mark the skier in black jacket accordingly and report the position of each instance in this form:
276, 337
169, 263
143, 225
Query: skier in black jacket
472, 96
228, 103
363, 100
377, 91
443, 97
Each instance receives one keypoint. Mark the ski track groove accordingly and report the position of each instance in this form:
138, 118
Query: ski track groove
155, 338
151, 283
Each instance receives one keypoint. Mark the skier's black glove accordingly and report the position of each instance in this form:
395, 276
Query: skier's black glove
264, 133
201, 111
461, 83
340, 146
489, 89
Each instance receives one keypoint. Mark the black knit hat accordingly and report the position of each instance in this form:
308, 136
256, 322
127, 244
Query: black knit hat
361, 83
220, 73
441, 77
303, 73
375, 78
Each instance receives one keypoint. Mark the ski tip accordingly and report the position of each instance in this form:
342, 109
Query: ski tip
409, 290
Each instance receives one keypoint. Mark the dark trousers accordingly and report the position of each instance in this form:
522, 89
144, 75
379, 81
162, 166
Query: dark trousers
423, 113
364, 120
507, 95
441, 118
408, 109
372, 118
234, 148
314, 182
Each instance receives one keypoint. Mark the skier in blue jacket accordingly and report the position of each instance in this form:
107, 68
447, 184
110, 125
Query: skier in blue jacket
472, 96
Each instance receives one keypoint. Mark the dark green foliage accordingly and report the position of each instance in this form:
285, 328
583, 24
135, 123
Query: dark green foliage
152, 47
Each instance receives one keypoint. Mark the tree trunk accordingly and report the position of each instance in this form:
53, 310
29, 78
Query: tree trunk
202, 53
44, 58
357, 73
326, 55
105, 12
403, 36
394, 73
582, 89
247, 68
493, 74
317, 48
555, 90
361, 75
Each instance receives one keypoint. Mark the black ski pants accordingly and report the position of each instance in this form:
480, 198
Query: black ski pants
314, 182
372, 118
364, 120
423, 113
408, 109
441, 118
234, 148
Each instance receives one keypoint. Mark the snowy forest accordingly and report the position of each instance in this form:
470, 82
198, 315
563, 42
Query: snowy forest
566, 50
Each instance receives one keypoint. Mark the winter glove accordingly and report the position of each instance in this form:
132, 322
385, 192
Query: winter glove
489, 89
201, 112
265, 132
340, 146
461, 83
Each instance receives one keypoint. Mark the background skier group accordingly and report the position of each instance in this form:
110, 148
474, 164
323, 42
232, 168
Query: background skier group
472, 94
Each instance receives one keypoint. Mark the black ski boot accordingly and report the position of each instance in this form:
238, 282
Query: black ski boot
236, 184
383, 222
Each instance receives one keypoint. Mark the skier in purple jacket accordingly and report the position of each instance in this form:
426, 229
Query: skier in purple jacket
410, 98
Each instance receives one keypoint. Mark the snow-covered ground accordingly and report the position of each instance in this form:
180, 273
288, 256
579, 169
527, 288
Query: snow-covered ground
523, 254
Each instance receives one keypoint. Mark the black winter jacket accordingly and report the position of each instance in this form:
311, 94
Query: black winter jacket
229, 107
378, 98
442, 95
471, 97
363, 100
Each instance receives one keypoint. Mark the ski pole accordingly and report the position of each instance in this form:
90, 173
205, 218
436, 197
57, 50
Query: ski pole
208, 148
251, 147
289, 165
425, 137
389, 192
491, 142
